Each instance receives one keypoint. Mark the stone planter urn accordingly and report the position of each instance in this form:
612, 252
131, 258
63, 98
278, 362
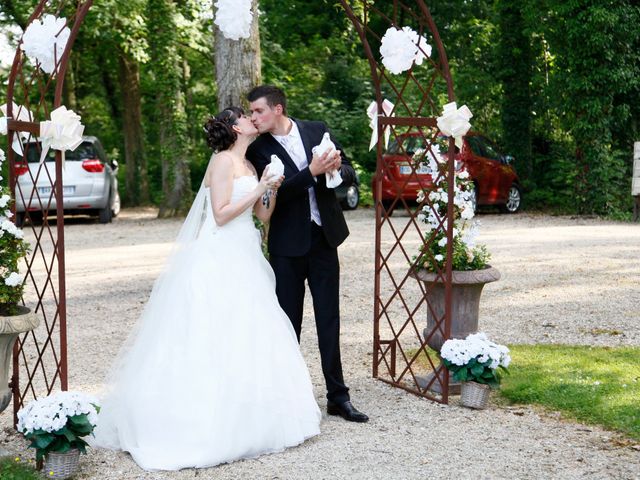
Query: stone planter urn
10, 327
465, 306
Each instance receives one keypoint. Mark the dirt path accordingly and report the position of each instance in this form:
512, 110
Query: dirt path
564, 280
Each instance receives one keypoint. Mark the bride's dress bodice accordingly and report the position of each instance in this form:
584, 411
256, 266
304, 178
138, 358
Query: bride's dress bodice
241, 186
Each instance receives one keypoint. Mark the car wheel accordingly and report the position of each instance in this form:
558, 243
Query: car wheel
105, 214
115, 208
352, 199
19, 219
514, 200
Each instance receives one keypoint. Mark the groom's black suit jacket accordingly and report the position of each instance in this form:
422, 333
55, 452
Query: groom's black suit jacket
289, 231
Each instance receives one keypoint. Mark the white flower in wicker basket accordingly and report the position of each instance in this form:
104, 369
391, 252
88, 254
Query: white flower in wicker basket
475, 359
55, 424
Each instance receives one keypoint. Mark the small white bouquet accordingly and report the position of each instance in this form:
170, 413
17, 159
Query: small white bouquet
56, 423
475, 359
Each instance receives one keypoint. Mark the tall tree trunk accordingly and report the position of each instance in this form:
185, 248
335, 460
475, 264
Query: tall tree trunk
171, 118
137, 179
238, 64
69, 85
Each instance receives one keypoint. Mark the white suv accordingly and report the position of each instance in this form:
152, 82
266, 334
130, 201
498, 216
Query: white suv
90, 184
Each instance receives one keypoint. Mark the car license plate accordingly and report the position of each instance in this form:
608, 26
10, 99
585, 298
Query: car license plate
70, 190
421, 169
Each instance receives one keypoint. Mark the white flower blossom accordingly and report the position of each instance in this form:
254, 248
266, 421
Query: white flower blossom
44, 41
442, 242
234, 18
51, 413
4, 200
401, 48
13, 280
454, 121
438, 258
478, 346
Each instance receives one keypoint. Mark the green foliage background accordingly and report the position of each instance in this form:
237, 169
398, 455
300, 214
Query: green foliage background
555, 82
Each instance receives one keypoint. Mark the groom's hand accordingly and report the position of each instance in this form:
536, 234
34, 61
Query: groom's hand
328, 161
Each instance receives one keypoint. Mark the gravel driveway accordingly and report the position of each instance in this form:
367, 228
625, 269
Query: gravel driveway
564, 280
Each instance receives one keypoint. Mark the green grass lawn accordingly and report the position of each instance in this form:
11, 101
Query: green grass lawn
595, 385
17, 469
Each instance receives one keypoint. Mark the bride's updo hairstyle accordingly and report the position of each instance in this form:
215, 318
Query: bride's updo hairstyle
220, 135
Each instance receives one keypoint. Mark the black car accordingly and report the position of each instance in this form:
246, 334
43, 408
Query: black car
349, 195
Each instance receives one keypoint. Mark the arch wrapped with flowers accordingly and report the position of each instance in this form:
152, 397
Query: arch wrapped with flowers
36, 119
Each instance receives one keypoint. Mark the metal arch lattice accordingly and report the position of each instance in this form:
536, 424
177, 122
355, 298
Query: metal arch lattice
401, 355
40, 356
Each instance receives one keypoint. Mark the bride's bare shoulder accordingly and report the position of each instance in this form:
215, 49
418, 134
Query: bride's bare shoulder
221, 164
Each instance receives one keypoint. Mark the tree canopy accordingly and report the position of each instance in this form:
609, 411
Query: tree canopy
555, 82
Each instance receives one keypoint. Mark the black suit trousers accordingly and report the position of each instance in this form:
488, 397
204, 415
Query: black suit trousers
321, 269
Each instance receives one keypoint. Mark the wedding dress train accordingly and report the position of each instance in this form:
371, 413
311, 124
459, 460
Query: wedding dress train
214, 372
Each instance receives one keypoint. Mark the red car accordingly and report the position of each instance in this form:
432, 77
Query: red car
495, 179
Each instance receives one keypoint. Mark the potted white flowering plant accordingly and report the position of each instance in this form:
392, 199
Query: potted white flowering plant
477, 362
55, 426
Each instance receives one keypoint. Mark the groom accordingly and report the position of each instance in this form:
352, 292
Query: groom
306, 228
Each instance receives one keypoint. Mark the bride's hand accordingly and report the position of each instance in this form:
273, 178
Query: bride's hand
275, 184
265, 181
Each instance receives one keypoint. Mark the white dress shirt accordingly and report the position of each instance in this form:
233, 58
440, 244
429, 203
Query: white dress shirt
292, 143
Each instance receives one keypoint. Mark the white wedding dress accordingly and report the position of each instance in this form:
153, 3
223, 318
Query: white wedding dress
213, 372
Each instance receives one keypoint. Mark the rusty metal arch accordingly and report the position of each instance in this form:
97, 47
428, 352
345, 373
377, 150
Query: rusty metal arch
400, 301
41, 355
401, 356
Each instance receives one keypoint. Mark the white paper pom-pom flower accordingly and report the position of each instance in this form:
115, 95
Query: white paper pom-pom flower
400, 48
234, 18
13, 280
44, 41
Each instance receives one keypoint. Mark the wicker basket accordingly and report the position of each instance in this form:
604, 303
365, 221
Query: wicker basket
62, 465
474, 395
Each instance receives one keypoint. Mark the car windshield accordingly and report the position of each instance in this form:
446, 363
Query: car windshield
415, 146
84, 151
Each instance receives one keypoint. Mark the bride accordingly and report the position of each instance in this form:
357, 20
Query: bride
213, 372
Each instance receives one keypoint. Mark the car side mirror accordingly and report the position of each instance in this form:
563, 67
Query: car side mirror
507, 159
114, 165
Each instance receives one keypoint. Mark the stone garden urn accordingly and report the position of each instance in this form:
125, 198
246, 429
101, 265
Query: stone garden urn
466, 289
10, 327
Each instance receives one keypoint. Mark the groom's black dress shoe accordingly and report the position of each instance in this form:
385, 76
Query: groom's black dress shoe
346, 411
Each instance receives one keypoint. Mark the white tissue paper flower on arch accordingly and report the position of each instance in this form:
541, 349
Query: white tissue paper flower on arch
63, 132
400, 48
21, 114
44, 41
454, 121
234, 18
372, 113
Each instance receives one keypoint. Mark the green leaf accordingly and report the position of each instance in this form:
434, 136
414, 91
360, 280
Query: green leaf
43, 441
477, 370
